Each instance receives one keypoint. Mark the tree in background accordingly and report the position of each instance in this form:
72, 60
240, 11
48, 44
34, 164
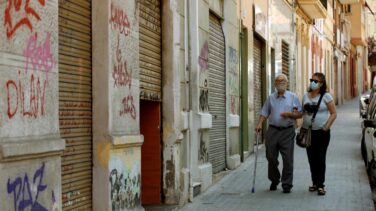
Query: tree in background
371, 41
371, 51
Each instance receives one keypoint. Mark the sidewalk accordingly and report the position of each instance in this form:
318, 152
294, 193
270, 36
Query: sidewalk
346, 180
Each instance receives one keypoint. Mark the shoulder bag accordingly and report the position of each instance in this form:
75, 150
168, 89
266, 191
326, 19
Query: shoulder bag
303, 138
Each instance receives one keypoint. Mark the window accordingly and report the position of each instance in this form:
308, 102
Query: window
346, 8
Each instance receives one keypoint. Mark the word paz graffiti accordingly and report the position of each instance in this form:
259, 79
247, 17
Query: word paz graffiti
16, 98
22, 196
39, 55
22, 10
128, 107
119, 20
204, 56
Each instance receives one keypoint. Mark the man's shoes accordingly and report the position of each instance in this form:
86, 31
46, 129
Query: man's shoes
286, 190
273, 186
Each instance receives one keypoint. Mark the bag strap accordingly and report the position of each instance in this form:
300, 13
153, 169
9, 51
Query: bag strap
317, 108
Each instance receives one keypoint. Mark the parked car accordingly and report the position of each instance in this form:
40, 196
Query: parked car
368, 141
369, 149
363, 103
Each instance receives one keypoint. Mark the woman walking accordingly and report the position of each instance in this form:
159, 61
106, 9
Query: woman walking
326, 114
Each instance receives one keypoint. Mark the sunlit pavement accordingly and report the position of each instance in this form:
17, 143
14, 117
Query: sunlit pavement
347, 184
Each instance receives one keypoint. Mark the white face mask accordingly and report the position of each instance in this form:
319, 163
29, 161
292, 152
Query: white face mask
314, 86
281, 87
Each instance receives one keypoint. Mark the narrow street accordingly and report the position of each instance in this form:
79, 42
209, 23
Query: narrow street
346, 180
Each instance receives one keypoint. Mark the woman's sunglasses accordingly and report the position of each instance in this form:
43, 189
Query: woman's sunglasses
314, 80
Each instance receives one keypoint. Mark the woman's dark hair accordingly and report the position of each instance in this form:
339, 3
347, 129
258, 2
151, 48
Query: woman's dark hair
321, 77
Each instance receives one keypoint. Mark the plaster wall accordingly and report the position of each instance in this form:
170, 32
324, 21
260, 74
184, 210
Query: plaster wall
116, 136
230, 28
29, 124
173, 60
247, 19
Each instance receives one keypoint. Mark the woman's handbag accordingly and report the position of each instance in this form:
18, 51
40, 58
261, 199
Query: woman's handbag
303, 138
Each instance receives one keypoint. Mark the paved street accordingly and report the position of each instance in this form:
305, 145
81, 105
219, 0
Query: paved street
346, 180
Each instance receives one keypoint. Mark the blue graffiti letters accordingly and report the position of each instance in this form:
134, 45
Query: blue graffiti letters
22, 195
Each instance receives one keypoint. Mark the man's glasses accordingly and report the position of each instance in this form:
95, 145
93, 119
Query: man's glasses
314, 80
280, 81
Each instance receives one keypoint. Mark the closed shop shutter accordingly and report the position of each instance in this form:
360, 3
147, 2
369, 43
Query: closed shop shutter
257, 56
286, 59
150, 50
75, 103
217, 95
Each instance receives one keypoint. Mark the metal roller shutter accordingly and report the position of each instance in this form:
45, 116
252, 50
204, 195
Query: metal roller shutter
257, 52
75, 103
150, 50
286, 59
217, 95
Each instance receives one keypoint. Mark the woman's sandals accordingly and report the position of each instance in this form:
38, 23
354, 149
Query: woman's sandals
312, 188
321, 191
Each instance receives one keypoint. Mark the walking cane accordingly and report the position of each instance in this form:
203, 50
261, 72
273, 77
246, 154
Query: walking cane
254, 169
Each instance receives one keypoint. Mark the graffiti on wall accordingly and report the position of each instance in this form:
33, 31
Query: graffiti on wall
204, 66
121, 75
128, 107
39, 55
233, 80
19, 13
233, 104
119, 20
204, 100
203, 154
26, 101
125, 192
125, 179
204, 56
26, 195
123, 78
29, 99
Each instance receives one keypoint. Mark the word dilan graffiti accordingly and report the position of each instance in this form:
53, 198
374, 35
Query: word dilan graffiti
32, 107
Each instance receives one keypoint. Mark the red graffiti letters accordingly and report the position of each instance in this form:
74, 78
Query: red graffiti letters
39, 55
121, 75
17, 13
13, 84
204, 56
16, 98
233, 105
128, 107
119, 20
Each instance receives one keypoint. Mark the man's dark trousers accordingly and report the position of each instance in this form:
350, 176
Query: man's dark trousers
280, 140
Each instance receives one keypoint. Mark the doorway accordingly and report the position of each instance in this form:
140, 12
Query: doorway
151, 168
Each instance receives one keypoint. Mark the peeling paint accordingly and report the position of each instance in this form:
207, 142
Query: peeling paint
103, 151
170, 173
167, 130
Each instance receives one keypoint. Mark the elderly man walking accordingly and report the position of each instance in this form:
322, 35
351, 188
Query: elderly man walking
281, 109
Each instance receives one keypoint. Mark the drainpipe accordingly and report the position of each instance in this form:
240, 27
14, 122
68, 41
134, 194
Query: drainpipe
187, 59
240, 82
295, 41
